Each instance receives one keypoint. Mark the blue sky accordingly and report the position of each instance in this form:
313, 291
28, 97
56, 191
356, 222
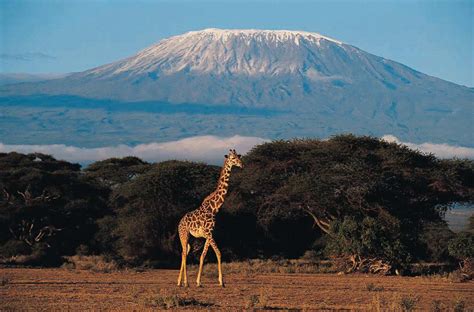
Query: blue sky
435, 37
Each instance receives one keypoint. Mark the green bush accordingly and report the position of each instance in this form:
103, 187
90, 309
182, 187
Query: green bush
367, 238
14, 248
462, 246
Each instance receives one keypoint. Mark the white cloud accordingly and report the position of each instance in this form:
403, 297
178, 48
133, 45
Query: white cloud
439, 150
210, 149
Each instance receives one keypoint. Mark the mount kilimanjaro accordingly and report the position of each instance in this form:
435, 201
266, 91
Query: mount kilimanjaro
272, 84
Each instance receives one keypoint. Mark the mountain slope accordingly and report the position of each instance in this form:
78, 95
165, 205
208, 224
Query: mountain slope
299, 72
14, 78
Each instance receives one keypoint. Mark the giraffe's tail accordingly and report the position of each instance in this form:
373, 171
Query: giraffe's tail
188, 249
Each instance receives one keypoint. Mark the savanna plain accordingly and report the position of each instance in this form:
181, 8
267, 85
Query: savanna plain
131, 290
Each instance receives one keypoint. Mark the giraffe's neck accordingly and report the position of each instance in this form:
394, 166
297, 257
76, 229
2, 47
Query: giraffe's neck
223, 183
217, 197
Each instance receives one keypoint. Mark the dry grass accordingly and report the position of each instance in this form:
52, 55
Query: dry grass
437, 306
257, 266
459, 305
4, 280
373, 287
128, 290
411, 302
394, 303
408, 302
260, 300
172, 301
92, 263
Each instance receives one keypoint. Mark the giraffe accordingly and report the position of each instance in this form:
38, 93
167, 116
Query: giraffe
200, 222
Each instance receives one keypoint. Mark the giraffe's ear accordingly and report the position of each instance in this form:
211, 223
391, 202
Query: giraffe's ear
239, 155
226, 156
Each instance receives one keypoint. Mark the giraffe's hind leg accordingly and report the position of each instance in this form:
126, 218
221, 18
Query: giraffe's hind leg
201, 262
218, 255
183, 237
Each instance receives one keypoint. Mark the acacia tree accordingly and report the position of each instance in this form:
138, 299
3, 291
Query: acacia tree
47, 207
114, 172
286, 183
147, 210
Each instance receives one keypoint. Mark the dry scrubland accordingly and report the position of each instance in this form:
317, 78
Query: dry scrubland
72, 289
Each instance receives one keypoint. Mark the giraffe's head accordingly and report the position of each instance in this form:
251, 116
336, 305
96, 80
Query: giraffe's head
234, 159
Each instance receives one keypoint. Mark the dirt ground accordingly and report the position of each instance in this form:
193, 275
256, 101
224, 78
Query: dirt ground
63, 289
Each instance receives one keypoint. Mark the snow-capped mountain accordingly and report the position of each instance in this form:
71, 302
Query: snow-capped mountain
340, 86
226, 52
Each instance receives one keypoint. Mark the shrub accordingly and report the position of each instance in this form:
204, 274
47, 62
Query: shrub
4, 280
310, 255
367, 238
459, 305
92, 263
408, 303
258, 301
252, 301
82, 250
373, 287
14, 248
436, 306
462, 246
173, 301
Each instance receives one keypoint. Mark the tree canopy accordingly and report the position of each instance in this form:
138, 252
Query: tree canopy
47, 206
286, 182
346, 196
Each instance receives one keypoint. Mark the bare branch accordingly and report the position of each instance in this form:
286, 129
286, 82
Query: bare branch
29, 199
13, 233
7, 195
324, 226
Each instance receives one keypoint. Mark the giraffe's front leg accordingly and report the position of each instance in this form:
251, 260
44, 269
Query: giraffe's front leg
201, 262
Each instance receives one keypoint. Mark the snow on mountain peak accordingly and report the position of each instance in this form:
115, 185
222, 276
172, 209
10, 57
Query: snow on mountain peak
225, 51
269, 35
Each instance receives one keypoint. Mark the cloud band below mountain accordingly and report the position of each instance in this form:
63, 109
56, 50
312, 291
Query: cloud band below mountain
439, 150
210, 149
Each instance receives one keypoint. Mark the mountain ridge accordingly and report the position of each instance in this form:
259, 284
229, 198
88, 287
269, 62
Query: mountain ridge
301, 73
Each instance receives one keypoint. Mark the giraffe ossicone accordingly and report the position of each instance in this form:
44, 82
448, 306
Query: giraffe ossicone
200, 222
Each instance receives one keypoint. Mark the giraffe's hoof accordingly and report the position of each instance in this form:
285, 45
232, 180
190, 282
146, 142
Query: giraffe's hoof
198, 285
222, 285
